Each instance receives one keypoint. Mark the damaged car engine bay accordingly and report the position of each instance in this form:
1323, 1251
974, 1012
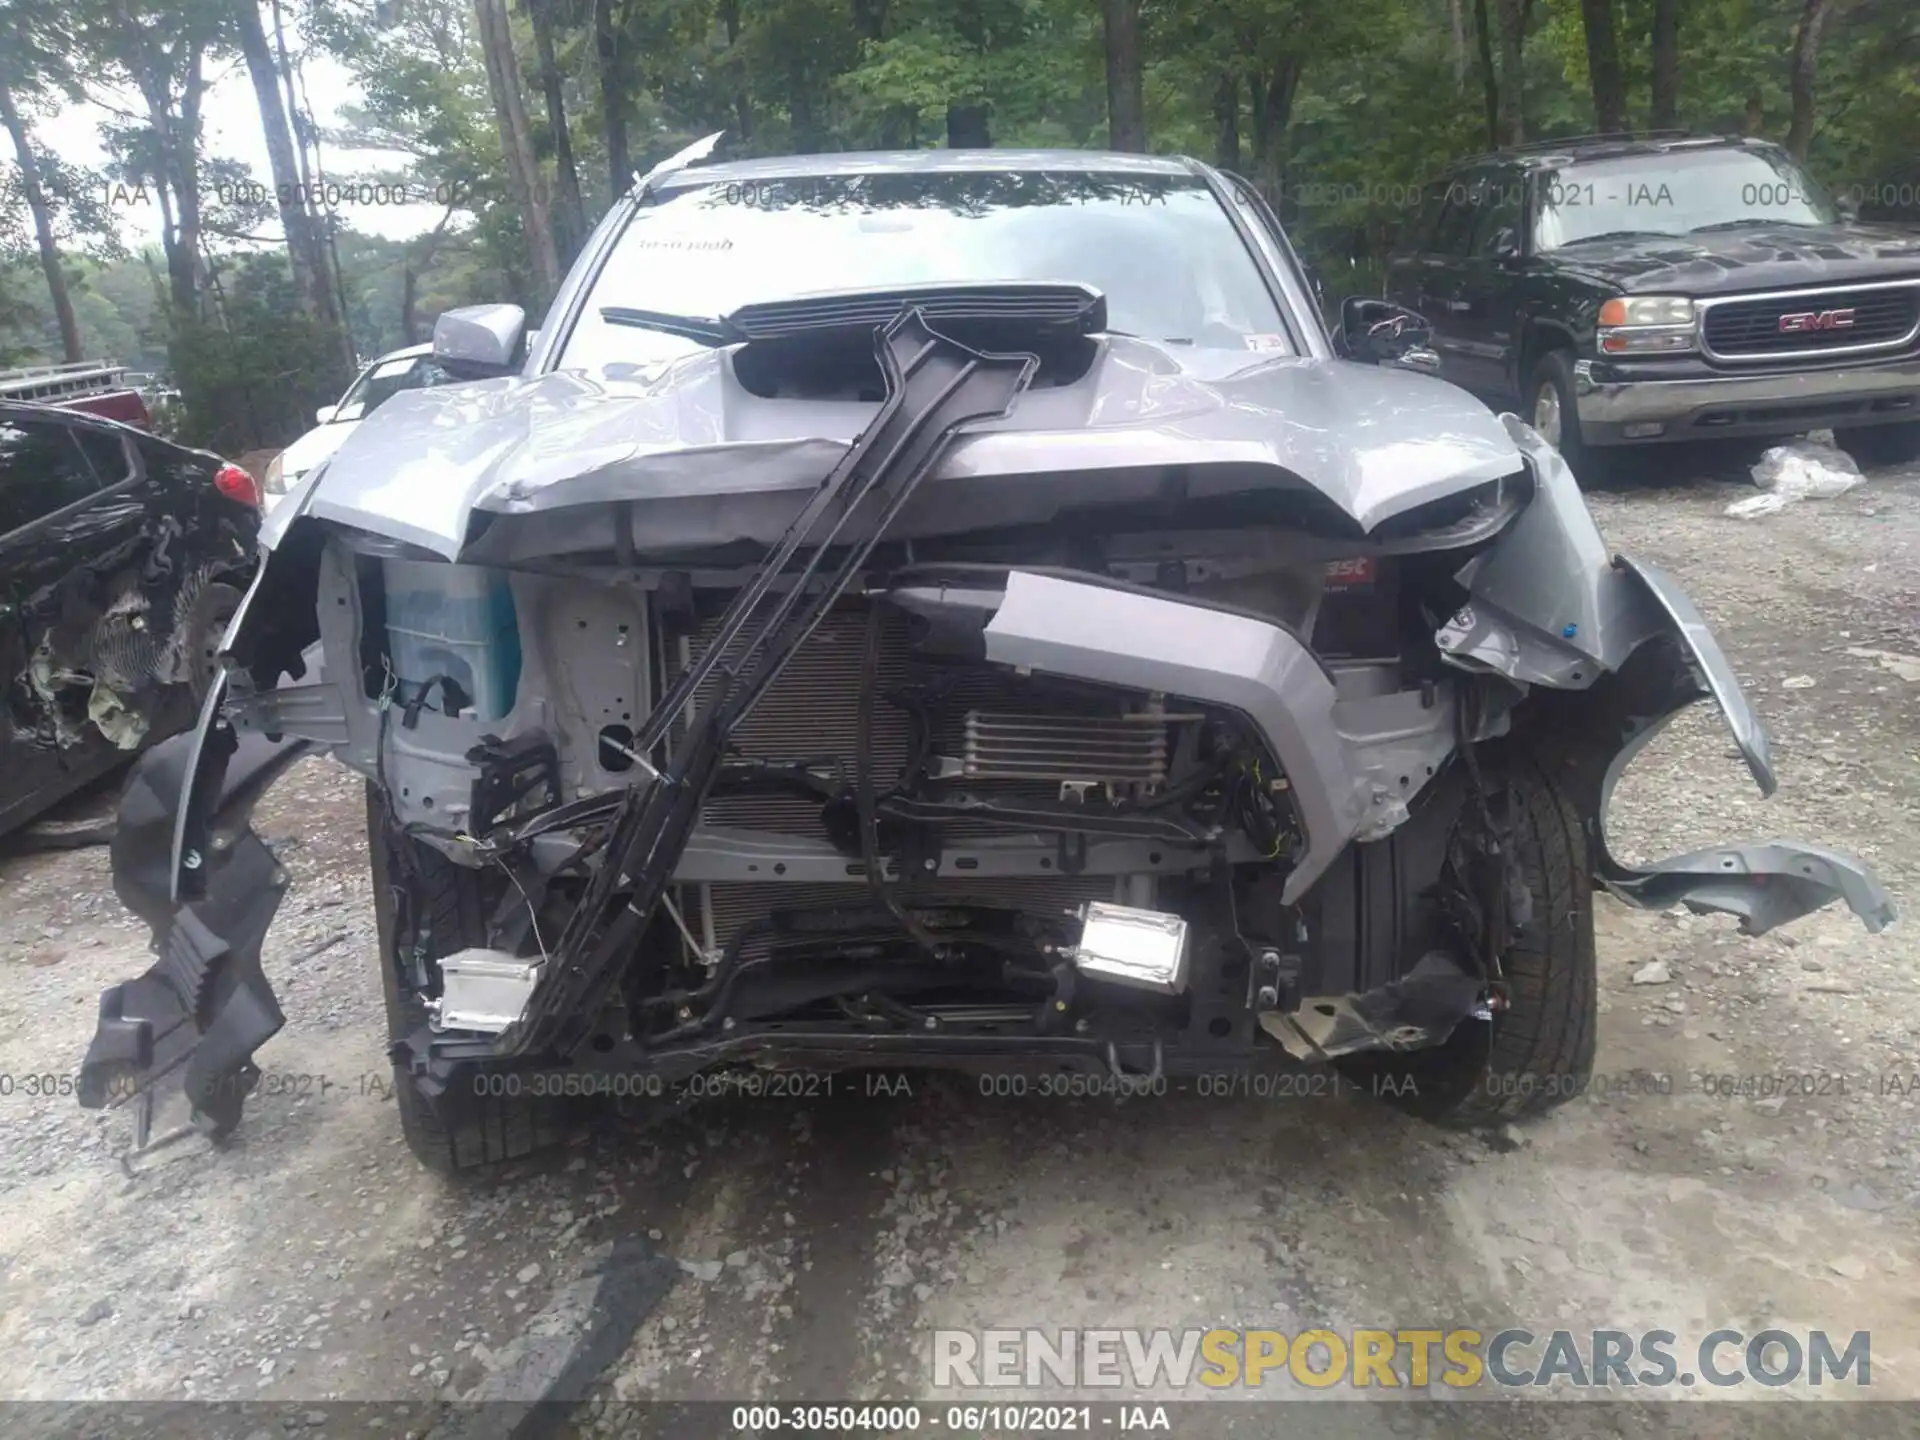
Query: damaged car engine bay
903, 833
938, 674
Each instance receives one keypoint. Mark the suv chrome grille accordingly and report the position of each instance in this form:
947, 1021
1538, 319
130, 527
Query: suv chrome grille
1833, 321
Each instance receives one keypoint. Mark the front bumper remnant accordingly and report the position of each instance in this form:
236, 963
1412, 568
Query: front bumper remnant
1620, 410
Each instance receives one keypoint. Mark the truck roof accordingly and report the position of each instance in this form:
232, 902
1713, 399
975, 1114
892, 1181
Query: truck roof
1547, 154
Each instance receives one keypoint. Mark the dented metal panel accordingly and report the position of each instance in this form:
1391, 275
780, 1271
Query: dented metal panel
119, 567
712, 463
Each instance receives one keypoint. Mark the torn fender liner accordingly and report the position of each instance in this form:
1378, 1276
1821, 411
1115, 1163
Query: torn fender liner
204, 1004
1616, 649
1765, 884
1599, 732
1710, 661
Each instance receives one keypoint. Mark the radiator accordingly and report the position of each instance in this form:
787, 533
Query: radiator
1000, 734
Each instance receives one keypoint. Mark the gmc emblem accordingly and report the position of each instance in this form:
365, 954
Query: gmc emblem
1816, 320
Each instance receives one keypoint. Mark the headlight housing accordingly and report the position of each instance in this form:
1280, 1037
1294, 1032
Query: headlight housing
1647, 324
275, 481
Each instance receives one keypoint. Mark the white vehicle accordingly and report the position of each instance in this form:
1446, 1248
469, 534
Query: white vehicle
411, 368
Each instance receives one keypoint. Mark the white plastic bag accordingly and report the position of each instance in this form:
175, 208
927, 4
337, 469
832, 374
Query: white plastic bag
1811, 468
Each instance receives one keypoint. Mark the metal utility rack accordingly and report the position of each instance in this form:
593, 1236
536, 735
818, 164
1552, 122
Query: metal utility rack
50, 384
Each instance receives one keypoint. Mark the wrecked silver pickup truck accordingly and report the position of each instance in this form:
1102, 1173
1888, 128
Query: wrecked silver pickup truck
944, 609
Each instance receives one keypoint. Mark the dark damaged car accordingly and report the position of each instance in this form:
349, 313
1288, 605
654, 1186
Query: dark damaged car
122, 558
940, 610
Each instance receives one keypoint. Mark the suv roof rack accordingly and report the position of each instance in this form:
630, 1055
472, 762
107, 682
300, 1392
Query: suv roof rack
1572, 142
1600, 137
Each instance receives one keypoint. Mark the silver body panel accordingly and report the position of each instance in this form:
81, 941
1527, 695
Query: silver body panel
713, 463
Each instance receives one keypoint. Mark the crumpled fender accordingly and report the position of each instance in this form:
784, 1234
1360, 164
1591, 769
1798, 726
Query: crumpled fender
1615, 649
186, 861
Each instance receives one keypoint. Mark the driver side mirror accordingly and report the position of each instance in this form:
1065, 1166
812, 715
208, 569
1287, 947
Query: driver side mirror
324, 414
1378, 332
476, 341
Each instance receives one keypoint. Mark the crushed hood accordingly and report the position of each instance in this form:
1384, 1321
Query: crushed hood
314, 446
714, 463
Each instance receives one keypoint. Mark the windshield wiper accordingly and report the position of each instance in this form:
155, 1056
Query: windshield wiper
687, 327
1618, 235
1749, 220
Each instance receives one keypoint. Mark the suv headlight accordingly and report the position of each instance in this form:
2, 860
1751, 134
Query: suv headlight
1647, 324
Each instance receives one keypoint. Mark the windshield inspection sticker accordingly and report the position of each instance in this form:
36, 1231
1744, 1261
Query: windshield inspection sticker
1266, 342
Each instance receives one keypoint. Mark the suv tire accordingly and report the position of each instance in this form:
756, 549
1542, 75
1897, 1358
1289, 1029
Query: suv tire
1538, 1052
1882, 444
452, 1133
206, 626
1550, 389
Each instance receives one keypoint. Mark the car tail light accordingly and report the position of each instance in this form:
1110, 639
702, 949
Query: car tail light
236, 484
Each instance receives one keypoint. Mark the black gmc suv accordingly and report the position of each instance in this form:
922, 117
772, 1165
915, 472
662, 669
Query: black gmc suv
1627, 290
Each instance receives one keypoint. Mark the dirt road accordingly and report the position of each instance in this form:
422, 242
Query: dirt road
820, 1241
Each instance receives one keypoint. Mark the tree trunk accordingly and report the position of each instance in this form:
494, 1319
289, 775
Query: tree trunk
609, 47
742, 99
516, 143
324, 224
1489, 77
1603, 67
296, 219
1272, 112
409, 288
967, 128
1457, 23
177, 166
870, 23
1513, 39
36, 199
416, 262
573, 210
1126, 101
1666, 64
294, 116
1226, 120
1803, 69
967, 122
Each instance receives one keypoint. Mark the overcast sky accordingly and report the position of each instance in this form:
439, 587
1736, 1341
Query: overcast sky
232, 131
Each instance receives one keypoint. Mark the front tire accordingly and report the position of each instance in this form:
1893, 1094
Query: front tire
1552, 410
1882, 444
1538, 1052
453, 1132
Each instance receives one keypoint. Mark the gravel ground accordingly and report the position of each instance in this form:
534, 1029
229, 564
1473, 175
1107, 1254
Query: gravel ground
817, 1243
